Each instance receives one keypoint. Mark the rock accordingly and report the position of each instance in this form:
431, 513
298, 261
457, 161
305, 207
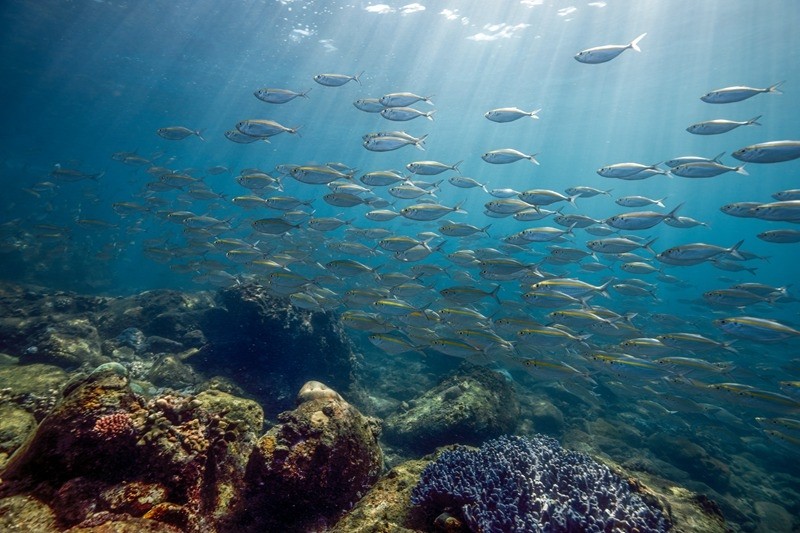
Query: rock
67, 343
169, 371
26, 514
692, 458
313, 465
16, 424
386, 508
271, 348
314, 390
467, 408
547, 418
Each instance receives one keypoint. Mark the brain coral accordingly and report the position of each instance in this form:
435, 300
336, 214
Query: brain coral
532, 484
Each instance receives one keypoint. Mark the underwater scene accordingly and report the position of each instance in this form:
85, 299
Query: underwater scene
451, 265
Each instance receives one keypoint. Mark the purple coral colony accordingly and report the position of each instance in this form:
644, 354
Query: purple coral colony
532, 484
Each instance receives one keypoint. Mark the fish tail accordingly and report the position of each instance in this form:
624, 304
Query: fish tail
457, 208
420, 143
728, 346
485, 229
571, 199
754, 121
357, 77
635, 43
429, 115
774, 88
493, 294
427, 99
304, 94
535, 114
660, 203
671, 214
295, 130
607, 192
740, 170
532, 159
733, 251
455, 167
199, 133
649, 245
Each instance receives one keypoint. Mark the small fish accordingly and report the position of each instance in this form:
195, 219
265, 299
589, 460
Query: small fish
788, 194
705, 169
176, 133
756, 329
737, 93
462, 230
769, 152
616, 245
684, 222
544, 197
369, 105
586, 192
507, 155
640, 219
695, 253
278, 96
273, 226
405, 113
242, 138
740, 209
782, 236
467, 295
336, 80
509, 114
387, 144
403, 99
692, 159
715, 127
639, 201
466, 183
627, 170
788, 210
601, 54
430, 168
507, 206
263, 128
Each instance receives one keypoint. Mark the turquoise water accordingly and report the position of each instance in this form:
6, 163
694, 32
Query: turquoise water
84, 80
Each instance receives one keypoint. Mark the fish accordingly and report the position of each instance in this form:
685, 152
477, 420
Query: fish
692, 159
507, 155
627, 170
177, 133
510, 114
640, 219
242, 138
430, 168
405, 113
572, 287
756, 329
717, 126
586, 192
695, 253
705, 169
278, 96
782, 236
615, 245
602, 54
337, 80
538, 197
737, 93
768, 152
403, 99
273, 226
467, 295
639, 201
466, 183
388, 143
788, 210
263, 128
369, 105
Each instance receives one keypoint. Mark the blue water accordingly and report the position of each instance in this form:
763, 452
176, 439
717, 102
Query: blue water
86, 79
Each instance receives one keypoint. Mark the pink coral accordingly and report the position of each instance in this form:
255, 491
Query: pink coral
113, 426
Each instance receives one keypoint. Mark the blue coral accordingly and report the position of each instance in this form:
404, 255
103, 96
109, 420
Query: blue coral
532, 484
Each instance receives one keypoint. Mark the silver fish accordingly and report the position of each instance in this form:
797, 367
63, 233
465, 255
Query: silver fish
336, 80
278, 96
509, 114
769, 152
715, 127
507, 155
737, 93
601, 54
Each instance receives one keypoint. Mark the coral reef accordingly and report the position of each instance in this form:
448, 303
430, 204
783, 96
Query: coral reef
316, 462
532, 484
467, 408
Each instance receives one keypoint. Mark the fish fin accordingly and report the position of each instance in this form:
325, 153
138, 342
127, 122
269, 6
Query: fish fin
357, 77
608, 192
427, 99
305, 93
754, 121
534, 114
457, 207
455, 167
728, 346
718, 157
532, 159
648, 246
740, 170
774, 88
420, 144
485, 229
635, 43
429, 115
199, 133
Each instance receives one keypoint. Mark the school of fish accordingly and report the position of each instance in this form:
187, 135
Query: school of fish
413, 276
